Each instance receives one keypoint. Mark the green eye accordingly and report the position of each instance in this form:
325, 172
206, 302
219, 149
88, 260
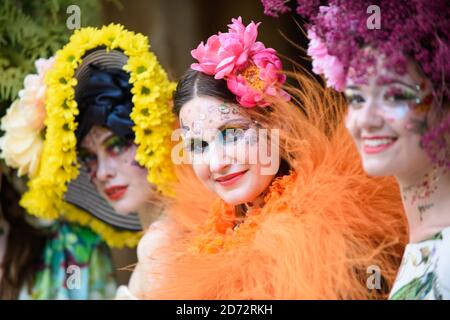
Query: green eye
400, 95
117, 145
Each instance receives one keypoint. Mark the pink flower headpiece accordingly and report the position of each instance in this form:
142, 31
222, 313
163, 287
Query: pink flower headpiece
251, 70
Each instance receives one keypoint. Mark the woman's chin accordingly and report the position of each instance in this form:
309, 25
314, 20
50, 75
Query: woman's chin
236, 198
122, 209
378, 170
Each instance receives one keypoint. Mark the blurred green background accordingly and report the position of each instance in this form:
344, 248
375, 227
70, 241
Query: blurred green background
36, 29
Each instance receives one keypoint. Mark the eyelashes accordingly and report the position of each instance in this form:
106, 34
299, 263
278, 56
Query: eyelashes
399, 95
88, 160
226, 136
197, 146
394, 96
354, 99
116, 145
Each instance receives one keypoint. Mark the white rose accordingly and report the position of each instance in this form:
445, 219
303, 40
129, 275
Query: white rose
21, 146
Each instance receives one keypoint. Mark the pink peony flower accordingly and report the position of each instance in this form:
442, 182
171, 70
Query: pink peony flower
250, 69
207, 56
225, 52
262, 77
324, 63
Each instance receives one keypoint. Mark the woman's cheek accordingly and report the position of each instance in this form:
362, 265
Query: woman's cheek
202, 172
350, 122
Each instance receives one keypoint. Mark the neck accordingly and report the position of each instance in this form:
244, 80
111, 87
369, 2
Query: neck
426, 202
150, 213
257, 203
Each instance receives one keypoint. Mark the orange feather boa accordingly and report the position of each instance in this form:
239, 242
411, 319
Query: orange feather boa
319, 231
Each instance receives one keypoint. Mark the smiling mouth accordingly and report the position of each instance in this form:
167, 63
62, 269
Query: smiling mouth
116, 192
230, 179
374, 145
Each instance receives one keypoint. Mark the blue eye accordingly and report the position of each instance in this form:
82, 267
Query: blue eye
232, 135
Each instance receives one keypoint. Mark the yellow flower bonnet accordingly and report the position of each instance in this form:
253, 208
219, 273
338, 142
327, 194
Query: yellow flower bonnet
60, 188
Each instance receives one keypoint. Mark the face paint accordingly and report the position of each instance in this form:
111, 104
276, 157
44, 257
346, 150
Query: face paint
224, 111
134, 163
387, 120
223, 108
116, 175
196, 127
419, 195
423, 190
223, 143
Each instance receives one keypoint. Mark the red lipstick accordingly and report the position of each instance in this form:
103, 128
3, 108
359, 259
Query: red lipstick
230, 179
114, 193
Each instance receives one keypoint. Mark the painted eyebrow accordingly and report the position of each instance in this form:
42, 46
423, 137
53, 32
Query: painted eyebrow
222, 127
412, 87
107, 138
233, 122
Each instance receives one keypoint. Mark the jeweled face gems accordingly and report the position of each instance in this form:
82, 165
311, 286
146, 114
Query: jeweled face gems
387, 120
110, 161
230, 154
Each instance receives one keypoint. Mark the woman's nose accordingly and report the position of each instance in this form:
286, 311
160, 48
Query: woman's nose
369, 116
218, 160
105, 168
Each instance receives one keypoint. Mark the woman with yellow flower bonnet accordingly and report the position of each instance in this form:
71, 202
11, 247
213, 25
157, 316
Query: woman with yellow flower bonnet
42, 259
105, 160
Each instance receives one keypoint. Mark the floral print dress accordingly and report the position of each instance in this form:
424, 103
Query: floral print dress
425, 270
76, 264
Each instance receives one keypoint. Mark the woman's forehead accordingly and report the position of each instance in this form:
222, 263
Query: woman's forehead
383, 75
209, 112
95, 136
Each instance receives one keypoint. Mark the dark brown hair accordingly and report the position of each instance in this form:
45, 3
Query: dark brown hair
195, 83
24, 247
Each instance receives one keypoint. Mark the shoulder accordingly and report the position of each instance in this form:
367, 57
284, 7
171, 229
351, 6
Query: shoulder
157, 235
443, 264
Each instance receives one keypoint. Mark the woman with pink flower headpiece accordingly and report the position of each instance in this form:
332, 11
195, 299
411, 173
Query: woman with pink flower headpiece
272, 196
391, 60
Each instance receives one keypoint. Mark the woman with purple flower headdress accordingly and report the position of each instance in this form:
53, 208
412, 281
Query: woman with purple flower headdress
392, 61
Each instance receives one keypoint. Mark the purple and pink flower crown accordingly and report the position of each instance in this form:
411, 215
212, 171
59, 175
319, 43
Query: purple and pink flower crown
410, 29
251, 70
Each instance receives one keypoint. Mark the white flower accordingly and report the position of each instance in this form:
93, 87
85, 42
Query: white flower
21, 145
